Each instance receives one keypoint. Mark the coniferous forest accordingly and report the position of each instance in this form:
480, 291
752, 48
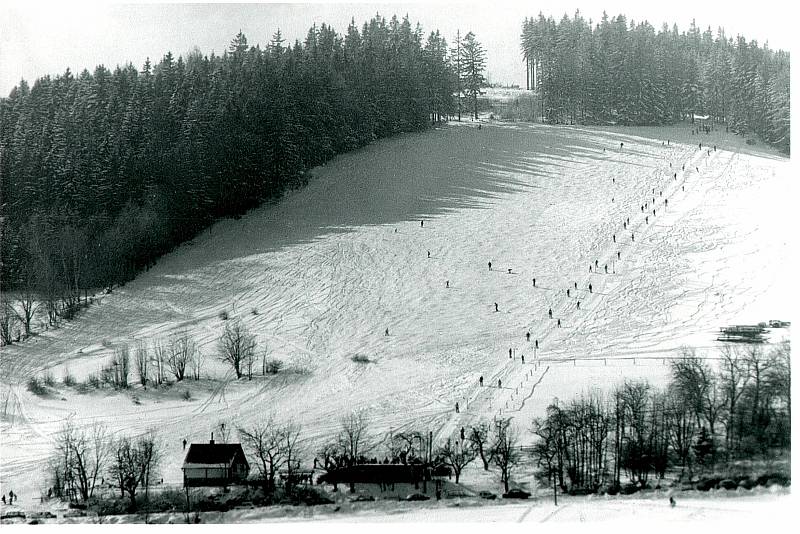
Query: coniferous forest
103, 172
626, 73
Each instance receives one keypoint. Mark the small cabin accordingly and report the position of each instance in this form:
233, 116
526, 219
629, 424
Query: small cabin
214, 464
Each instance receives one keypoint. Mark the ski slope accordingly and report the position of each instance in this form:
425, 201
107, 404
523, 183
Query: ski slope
319, 276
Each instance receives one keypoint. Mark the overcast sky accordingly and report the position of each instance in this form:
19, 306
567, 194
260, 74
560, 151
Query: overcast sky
38, 38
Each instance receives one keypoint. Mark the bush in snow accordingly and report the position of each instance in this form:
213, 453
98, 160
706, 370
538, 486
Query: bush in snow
68, 380
272, 366
36, 387
49, 379
360, 358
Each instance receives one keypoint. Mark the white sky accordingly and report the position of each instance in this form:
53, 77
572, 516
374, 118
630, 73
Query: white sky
38, 38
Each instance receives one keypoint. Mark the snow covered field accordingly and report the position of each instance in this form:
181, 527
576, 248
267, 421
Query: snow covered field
319, 276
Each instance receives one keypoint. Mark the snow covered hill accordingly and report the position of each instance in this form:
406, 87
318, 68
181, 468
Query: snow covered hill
321, 275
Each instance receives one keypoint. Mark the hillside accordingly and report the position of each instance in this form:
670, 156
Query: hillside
320, 276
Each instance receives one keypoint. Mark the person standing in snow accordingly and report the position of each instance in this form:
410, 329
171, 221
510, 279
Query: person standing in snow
387, 332
495, 307
480, 381
456, 407
429, 253
550, 312
579, 305
499, 383
490, 266
567, 292
528, 336
618, 255
534, 282
536, 343
590, 287
421, 223
523, 358
447, 284
509, 354
559, 323
614, 237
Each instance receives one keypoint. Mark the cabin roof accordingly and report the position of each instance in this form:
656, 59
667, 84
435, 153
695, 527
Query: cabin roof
212, 454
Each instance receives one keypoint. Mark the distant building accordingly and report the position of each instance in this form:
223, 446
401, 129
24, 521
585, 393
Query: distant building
214, 464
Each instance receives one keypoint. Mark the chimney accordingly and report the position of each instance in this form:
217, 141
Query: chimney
212, 439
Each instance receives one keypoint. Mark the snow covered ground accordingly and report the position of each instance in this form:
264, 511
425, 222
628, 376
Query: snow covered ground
319, 276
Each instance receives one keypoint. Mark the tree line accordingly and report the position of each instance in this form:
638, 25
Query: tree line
627, 73
104, 171
705, 417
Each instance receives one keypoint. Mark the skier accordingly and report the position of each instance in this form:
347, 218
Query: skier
576, 284
387, 332
495, 307
422, 223
613, 180
490, 266
614, 237
672, 501
536, 343
509, 354
579, 305
590, 267
11, 497
683, 167
568, 292
632, 239
596, 264
590, 288
527, 336
462, 433
184, 444
559, 323
4, 498
534, 282
429, 253
606, 268
701, 145
480, 381
715, 148
550, 312
499, 383
621, 145
654, 213
675, 175
697, 169
646, 219
624, 225
666, 201
618, 255
456, 407
509, 271
523, 358
447, 284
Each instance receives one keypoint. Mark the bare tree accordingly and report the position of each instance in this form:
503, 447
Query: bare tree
141, 359
354, 434
182, 349
116, 373
236, 346
479, 437
681, 427
27, 302
272, 445
7, 318
198, 359
80, 457
160, 357
457, 455
734, 379
504, 450
134, 462
290, 442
